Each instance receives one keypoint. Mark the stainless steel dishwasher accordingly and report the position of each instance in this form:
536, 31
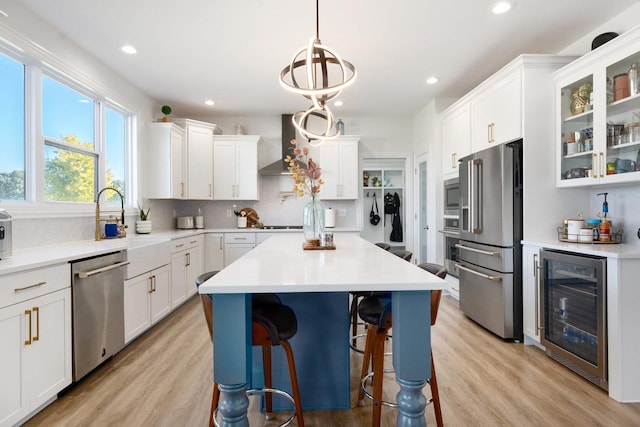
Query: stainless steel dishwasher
97, 286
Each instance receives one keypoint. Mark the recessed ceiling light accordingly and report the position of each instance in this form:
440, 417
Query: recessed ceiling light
432, 80
129, 49
209, 102
501, 7
3, 13
338, 104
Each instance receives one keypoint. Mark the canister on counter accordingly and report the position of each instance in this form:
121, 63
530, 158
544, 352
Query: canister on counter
605, 230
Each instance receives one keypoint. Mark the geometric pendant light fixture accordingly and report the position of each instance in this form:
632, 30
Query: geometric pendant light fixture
319, 74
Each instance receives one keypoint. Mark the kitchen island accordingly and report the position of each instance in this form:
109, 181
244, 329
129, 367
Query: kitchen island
280, 265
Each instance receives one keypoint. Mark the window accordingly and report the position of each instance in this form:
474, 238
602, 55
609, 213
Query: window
61, 140
12, 140
70, 155
77, 159
115, 149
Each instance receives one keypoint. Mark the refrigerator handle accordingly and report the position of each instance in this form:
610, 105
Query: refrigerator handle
476, 196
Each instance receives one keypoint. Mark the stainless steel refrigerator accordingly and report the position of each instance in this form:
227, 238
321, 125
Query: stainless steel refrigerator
490, 250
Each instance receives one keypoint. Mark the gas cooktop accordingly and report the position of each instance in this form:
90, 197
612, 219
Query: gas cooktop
282, 227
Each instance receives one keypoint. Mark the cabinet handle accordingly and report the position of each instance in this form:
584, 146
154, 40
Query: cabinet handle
453, 160
594, 166
28, 313
182, 189
36, 310
180, 245
193, 241
602, 165
24, 288
489, 133
220, 240
210, 190
188, 259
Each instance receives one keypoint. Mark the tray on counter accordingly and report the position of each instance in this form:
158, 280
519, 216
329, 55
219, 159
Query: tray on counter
307, 247
616, 237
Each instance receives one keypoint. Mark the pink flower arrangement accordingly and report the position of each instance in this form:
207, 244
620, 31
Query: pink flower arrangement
306, 173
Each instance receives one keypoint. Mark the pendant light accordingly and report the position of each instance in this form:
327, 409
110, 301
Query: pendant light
319, 74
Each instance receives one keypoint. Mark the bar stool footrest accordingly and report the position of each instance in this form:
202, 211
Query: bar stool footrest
262, 392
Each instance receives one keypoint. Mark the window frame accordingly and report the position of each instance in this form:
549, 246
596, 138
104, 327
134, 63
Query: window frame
35, 205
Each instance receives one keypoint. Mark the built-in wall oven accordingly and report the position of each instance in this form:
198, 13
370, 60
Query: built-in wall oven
573, 312
451, 239
451, 224
451, 197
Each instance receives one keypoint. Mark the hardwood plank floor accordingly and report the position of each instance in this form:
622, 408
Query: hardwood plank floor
164, 379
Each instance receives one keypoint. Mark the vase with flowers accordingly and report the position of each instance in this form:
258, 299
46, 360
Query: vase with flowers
307, 180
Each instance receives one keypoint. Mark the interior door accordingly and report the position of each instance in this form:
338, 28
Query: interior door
424, 238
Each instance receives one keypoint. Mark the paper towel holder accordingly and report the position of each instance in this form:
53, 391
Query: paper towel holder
329, 218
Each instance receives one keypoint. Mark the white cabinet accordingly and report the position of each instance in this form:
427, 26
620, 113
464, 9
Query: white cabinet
496, 113
163, 161
213, 252
198, 158
35, 332
235, 169
186, 266
455, 125
146, 301
531, 294
237, 244
595, 143
338, 160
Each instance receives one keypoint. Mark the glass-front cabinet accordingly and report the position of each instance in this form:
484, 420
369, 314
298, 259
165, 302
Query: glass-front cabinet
598, 120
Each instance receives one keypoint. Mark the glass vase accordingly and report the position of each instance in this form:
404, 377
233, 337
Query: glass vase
313, 222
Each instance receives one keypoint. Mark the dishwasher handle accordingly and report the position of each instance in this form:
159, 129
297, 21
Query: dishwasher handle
85, 274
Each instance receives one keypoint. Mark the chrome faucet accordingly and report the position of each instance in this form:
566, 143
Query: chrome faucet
119, 221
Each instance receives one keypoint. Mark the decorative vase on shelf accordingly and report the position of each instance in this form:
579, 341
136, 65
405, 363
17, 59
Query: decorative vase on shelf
143, 227
313, 222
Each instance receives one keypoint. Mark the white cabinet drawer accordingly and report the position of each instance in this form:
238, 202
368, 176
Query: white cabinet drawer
240, 237
184, 243
18, 287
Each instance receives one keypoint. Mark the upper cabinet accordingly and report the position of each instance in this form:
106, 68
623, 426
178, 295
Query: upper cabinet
338, 161
163, 153
598, 121
455, 126
496, 112
198, 158
179, 160
235, 168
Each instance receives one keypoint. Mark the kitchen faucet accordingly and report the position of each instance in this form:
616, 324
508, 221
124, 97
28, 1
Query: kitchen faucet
119, 221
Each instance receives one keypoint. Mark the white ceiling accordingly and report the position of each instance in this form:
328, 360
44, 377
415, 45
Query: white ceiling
233, 51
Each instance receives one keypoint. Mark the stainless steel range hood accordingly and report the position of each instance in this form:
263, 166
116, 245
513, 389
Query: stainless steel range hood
279, 167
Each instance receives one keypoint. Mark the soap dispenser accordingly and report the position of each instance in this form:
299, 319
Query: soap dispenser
605, 224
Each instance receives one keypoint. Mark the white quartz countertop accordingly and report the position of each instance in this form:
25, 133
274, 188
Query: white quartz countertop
42, 256
619, 250
281, 265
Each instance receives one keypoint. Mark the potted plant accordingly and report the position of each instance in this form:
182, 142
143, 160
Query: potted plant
143, 225
166, 110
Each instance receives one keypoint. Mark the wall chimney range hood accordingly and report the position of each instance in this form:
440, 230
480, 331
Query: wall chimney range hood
279, 167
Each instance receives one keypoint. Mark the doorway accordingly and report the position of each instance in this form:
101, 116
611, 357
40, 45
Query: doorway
425, 210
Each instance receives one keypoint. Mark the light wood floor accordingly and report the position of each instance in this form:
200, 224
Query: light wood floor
164, 379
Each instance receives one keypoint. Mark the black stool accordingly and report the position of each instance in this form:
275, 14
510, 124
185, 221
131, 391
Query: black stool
273, 324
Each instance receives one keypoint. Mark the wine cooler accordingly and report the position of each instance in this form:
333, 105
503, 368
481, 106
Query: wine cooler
574, 300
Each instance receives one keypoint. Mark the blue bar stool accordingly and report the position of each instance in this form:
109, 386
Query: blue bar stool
376, 310
273, 324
